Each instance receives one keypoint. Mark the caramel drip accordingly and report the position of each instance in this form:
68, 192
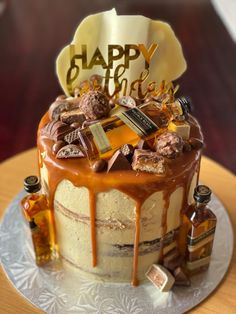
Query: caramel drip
167, 195
135, 281
139, 186
92, 203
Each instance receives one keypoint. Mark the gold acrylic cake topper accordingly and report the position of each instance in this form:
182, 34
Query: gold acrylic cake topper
124, 50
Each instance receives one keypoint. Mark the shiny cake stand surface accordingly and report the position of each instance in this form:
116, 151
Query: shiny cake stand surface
60, 290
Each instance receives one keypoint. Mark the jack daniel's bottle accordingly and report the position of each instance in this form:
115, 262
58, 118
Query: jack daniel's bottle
36, 211
200, 222
101, 139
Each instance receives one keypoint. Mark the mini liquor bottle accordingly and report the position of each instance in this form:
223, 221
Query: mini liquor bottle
36, 211
200, 224
101, 139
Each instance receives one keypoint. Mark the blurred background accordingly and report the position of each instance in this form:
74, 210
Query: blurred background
33, 32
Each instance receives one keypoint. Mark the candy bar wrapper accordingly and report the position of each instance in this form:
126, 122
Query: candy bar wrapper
125, 50
160, 277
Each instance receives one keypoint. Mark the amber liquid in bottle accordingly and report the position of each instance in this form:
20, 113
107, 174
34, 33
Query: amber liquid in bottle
37, 213
200, 223
102, 139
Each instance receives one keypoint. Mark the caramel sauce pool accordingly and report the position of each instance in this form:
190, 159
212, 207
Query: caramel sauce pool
138, 185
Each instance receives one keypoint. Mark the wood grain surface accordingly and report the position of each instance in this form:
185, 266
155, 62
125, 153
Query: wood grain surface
222, 182
33, 32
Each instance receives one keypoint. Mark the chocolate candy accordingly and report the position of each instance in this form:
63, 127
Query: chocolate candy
72, 137
160, 277
94, 105
127, 150
118, 162
72, 116
47, 129
181, 128
56, 130
181, 279
169, 144
70, 151
173, 259
144, 160
99, 165
57, 146
195, 143
56, 108
127, 101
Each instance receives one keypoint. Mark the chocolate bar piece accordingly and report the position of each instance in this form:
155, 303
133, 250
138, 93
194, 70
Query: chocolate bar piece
70, 151
181, 128
144, 160
181, 279
73, 116
173, 259
127, 150
56, 108
118, 162
56, 130
47, 129
127, 101
160, 277
72, 137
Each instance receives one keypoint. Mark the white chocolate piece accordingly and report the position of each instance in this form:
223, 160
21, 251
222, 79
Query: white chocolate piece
108, 28
181, 128
160, 277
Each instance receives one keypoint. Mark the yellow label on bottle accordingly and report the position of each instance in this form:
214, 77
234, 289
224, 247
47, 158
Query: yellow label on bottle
198, 263
100, 138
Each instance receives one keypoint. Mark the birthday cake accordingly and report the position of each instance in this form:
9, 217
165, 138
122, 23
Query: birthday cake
119, 152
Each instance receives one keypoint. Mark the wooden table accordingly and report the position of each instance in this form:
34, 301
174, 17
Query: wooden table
222, 182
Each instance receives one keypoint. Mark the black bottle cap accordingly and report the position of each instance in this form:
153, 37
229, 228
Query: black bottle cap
186, 104
202, 194
32, 184
32, 224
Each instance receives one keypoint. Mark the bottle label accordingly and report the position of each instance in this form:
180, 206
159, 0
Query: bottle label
140, 123
100, 138
195, 243
198, 263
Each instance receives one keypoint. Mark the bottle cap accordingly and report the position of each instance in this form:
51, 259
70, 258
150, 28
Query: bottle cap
202, 194
32, 184
186, 104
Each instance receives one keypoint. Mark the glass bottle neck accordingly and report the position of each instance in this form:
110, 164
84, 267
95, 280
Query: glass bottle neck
37, 193
201, 206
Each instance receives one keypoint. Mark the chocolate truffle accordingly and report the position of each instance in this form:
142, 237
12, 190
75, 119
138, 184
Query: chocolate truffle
94, 105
